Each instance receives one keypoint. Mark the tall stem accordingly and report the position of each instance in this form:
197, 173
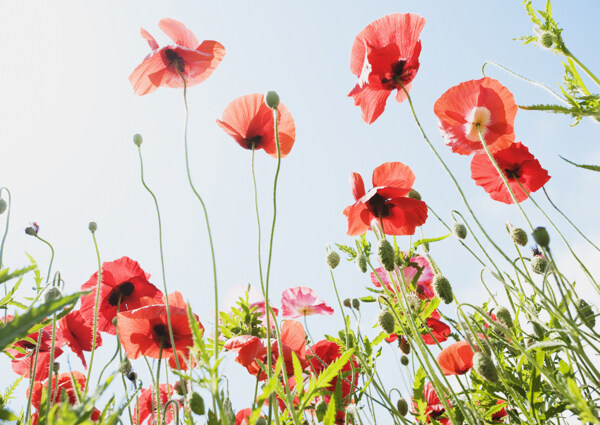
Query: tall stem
97, 302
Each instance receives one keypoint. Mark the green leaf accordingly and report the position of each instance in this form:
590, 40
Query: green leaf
196, 332
587, 167
429, 240
20, 326
297, 370
7, 415
332, 370
330, 414
368, 299
5, 275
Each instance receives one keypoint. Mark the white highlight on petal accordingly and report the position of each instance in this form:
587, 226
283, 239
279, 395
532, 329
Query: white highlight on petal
366, 70
478, 115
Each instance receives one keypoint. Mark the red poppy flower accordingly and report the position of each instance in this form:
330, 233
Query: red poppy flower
124, 285
484, 102
435, 408
385, 56
77, 333
162, 68
518, 165
23, 352
147, 405
251, 350
456, 359
145, 331
302, 301
421, 267
243, 416
387, 202
324, 353
439, 330
499, 415
250, 122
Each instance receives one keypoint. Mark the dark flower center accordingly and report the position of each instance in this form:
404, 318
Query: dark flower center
514, 173
378, 207
397, 74
123, 290
161, 334
175, 60
253, 141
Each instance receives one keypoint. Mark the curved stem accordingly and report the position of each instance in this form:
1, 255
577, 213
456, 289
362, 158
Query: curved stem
51, 257
589, 73
5, 228
96, 304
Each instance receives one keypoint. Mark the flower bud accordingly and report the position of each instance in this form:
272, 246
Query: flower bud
404, 360
347, 302
125, 366
546, 39
485, 367
541, 237
333, 258
92, 226
402, 407
442, 288
3, 206
519, 236
538, 264
33, 229
114, 321
386, 321
361, 262
132, 376
385, 252
459, 230
53, 294
55, 367
414, 194
539, 330
355, 303
504, 317
404, 345
586, 313
321, 409
137, 140
272, 99
352, 414
196, 403
413, 302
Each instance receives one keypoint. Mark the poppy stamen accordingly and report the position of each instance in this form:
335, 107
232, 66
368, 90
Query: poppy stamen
161, 334
378, 207
254, 142
175, 60
120, 292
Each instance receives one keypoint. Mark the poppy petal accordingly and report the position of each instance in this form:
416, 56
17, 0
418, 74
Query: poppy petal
151, 41
357, 185
406, 215
395, 174
178, 32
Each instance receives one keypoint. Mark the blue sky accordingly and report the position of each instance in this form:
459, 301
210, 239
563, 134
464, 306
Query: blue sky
68, 114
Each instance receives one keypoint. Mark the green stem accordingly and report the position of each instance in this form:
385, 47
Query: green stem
51, 257
51, 365
5, 231
96, 304
157, 384
589, 73
32, 372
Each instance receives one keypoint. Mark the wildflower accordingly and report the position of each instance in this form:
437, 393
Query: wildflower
78, 334
475, 105
302, 301
385, 57
324, 353
250, 122
456, 359
418, 266
147, 405
168, 66
438, 329
520, 169
386, 202
435, 408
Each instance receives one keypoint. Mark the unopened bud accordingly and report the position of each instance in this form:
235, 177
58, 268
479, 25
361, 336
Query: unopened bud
53, 294
414, 194
347, 302
519, 236
485, 367
333, 258
272, 99
178, 388
539, 330
404, 345
442, 288
404, 360
385, 252
137, 140
361, 262
459, 230
541, 237
114, 321
402, 407
413, 302
196, 403
321, 409
3, 206
504, 317
386, 321
125, 366
132, 376
586, 313
92, 226
538, 264
546, 39
55, 367
32, 230
355, 303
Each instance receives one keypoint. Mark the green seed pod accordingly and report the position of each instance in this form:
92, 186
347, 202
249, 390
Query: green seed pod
114, 321
347, 302
402, 407
414, 194
385, 252
53, 294
546, 39
586, 313
137, 139
519, 236
414, 303
125, 366
196, 403
361, 263
3, 206
404, 360
504, 317
459, 230
386, 321
355, 303
321, 409
272, 99
538, 264
541, 237
332, 258
55, 367
485, 367
92, 226
442, 288
404, 346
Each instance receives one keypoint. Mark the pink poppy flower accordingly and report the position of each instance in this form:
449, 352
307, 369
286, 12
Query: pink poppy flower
187, 58
302, 301
424, 280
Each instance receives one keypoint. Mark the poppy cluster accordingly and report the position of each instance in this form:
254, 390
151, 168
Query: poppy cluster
485, 110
